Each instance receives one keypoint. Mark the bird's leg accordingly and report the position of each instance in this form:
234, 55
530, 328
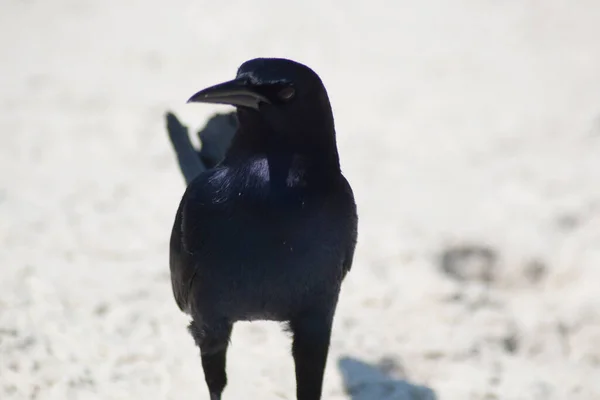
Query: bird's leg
312, 333
213, 342
214, 372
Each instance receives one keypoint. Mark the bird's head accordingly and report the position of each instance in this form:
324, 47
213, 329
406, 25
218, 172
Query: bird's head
284, 94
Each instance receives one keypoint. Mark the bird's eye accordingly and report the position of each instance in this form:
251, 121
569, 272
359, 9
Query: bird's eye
286, 93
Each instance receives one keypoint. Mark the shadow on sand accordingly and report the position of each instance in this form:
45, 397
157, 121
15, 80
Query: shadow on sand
374, 382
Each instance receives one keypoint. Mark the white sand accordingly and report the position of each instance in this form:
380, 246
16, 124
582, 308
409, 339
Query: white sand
460, 123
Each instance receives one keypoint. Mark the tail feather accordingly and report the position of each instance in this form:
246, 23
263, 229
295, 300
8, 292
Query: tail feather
190, 163
215, 138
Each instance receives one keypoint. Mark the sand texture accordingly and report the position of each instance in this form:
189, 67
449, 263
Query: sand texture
470, 131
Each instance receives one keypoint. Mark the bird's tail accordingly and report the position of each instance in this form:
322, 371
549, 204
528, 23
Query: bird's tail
190, 163
215, 137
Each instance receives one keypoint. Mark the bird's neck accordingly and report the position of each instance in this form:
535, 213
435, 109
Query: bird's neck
316, 148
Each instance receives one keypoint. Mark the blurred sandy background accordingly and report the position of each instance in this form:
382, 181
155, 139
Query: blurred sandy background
470, 131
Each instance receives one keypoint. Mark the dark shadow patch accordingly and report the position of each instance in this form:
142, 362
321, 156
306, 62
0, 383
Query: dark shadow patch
470, 263
363, 381
535, 271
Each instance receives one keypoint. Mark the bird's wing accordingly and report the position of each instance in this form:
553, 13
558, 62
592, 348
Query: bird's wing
352, 227
348, 258
182, 270
195, 216
215, 137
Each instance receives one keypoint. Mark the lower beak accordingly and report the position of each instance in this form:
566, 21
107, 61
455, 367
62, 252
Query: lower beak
236, 93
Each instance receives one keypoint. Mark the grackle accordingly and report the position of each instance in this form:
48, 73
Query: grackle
269, 232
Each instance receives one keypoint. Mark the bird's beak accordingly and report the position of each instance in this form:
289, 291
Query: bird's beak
237, 92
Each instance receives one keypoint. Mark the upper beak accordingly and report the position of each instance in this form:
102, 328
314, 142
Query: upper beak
237, 92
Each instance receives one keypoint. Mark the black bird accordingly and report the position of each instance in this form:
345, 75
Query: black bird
270, 232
